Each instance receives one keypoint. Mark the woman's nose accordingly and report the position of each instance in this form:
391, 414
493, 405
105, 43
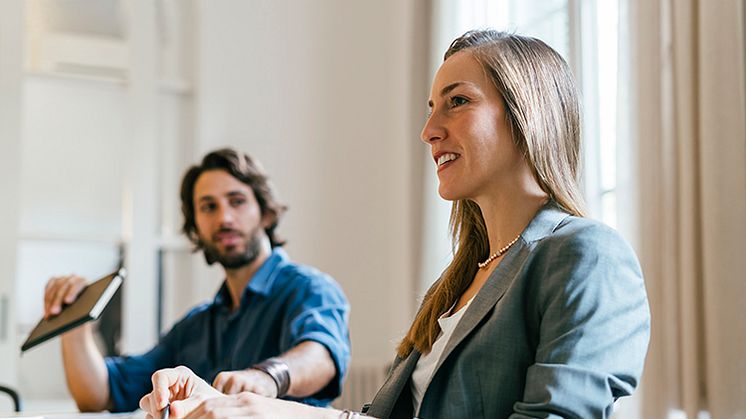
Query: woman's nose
433, 130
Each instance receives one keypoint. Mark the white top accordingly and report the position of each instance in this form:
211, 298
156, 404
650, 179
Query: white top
425, 368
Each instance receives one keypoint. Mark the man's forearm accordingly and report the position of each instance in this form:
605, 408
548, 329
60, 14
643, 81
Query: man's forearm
85, 370
311, 368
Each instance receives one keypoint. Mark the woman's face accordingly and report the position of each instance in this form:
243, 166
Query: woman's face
468, 132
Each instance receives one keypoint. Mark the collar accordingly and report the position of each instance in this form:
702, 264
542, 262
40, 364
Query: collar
262, 281
546, 220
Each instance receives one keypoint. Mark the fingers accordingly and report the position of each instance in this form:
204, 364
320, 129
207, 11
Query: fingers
76, 287
182, 408
229, 383
233, 386
247, 398
170, 384
176, 409
159, 398
61, 290
146, 405
180, 387
50, 291
234, 382
220, 380
226, 407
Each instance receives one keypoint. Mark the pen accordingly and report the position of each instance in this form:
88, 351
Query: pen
164, 412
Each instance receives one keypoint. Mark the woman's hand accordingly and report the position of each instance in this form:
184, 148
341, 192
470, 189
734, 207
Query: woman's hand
178, 388
250, 405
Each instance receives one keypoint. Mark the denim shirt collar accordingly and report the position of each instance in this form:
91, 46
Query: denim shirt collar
261, 282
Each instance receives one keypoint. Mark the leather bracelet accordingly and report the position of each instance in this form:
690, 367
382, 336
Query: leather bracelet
279, 371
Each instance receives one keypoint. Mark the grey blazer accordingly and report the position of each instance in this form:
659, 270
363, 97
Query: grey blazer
559, 330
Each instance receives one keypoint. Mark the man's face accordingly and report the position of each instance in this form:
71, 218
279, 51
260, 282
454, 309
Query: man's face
228, 218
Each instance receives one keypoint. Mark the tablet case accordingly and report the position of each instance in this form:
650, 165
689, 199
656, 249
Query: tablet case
88, 306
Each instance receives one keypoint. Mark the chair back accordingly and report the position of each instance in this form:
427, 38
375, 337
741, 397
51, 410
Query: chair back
13, 395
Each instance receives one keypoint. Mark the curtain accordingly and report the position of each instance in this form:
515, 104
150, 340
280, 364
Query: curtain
683, 143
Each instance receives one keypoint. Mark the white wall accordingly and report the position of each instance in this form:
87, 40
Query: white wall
11, 35
322, 93
74, 134
70, 202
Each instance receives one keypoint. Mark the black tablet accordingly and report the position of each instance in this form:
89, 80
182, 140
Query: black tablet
88, 306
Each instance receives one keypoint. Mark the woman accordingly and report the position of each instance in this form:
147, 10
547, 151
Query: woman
541, 313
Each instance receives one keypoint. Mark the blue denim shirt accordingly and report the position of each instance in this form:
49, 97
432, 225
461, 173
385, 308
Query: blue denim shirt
283, 305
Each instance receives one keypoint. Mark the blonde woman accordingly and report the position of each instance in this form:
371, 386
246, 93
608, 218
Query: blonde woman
542, 313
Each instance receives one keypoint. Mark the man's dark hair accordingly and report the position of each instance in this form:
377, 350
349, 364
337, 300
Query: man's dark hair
247, 170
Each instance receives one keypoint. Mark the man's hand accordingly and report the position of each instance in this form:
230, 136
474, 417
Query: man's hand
85, 369
255, 381
61, 290
180, 389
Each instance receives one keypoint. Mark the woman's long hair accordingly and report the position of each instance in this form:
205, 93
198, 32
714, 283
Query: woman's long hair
543, 114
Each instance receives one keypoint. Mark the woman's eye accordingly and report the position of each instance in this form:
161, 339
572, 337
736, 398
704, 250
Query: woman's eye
458, 101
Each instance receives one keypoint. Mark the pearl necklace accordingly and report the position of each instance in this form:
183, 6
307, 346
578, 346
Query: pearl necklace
497, 254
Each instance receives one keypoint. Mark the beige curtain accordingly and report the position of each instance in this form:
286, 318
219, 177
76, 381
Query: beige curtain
683, 135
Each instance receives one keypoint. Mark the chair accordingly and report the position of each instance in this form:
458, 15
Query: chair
13, 395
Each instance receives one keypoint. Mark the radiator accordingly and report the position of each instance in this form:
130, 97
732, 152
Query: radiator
361, 384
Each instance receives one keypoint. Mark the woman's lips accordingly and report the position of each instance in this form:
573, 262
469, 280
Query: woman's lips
446, 165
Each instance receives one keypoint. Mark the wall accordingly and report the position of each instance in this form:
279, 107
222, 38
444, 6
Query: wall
322, 93
70, 202
11, 31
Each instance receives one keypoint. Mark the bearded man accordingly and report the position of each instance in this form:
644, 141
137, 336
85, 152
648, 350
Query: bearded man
274, 328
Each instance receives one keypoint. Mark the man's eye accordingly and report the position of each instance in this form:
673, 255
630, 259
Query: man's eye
458, 101
207, 207
238, 202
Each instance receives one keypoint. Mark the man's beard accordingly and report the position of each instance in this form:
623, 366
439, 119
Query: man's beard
252, 246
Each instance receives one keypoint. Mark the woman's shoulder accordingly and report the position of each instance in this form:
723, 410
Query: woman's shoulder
582, 231
583, 238
585, 257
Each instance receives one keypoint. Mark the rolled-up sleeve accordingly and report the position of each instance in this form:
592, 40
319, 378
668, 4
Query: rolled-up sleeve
594, 326
319, 312
130, 376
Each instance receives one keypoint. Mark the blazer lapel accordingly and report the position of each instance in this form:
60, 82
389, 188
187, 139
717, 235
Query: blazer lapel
545, 221
488, 296
387, 396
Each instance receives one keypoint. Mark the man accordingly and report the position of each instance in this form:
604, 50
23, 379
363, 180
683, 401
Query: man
274, 328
